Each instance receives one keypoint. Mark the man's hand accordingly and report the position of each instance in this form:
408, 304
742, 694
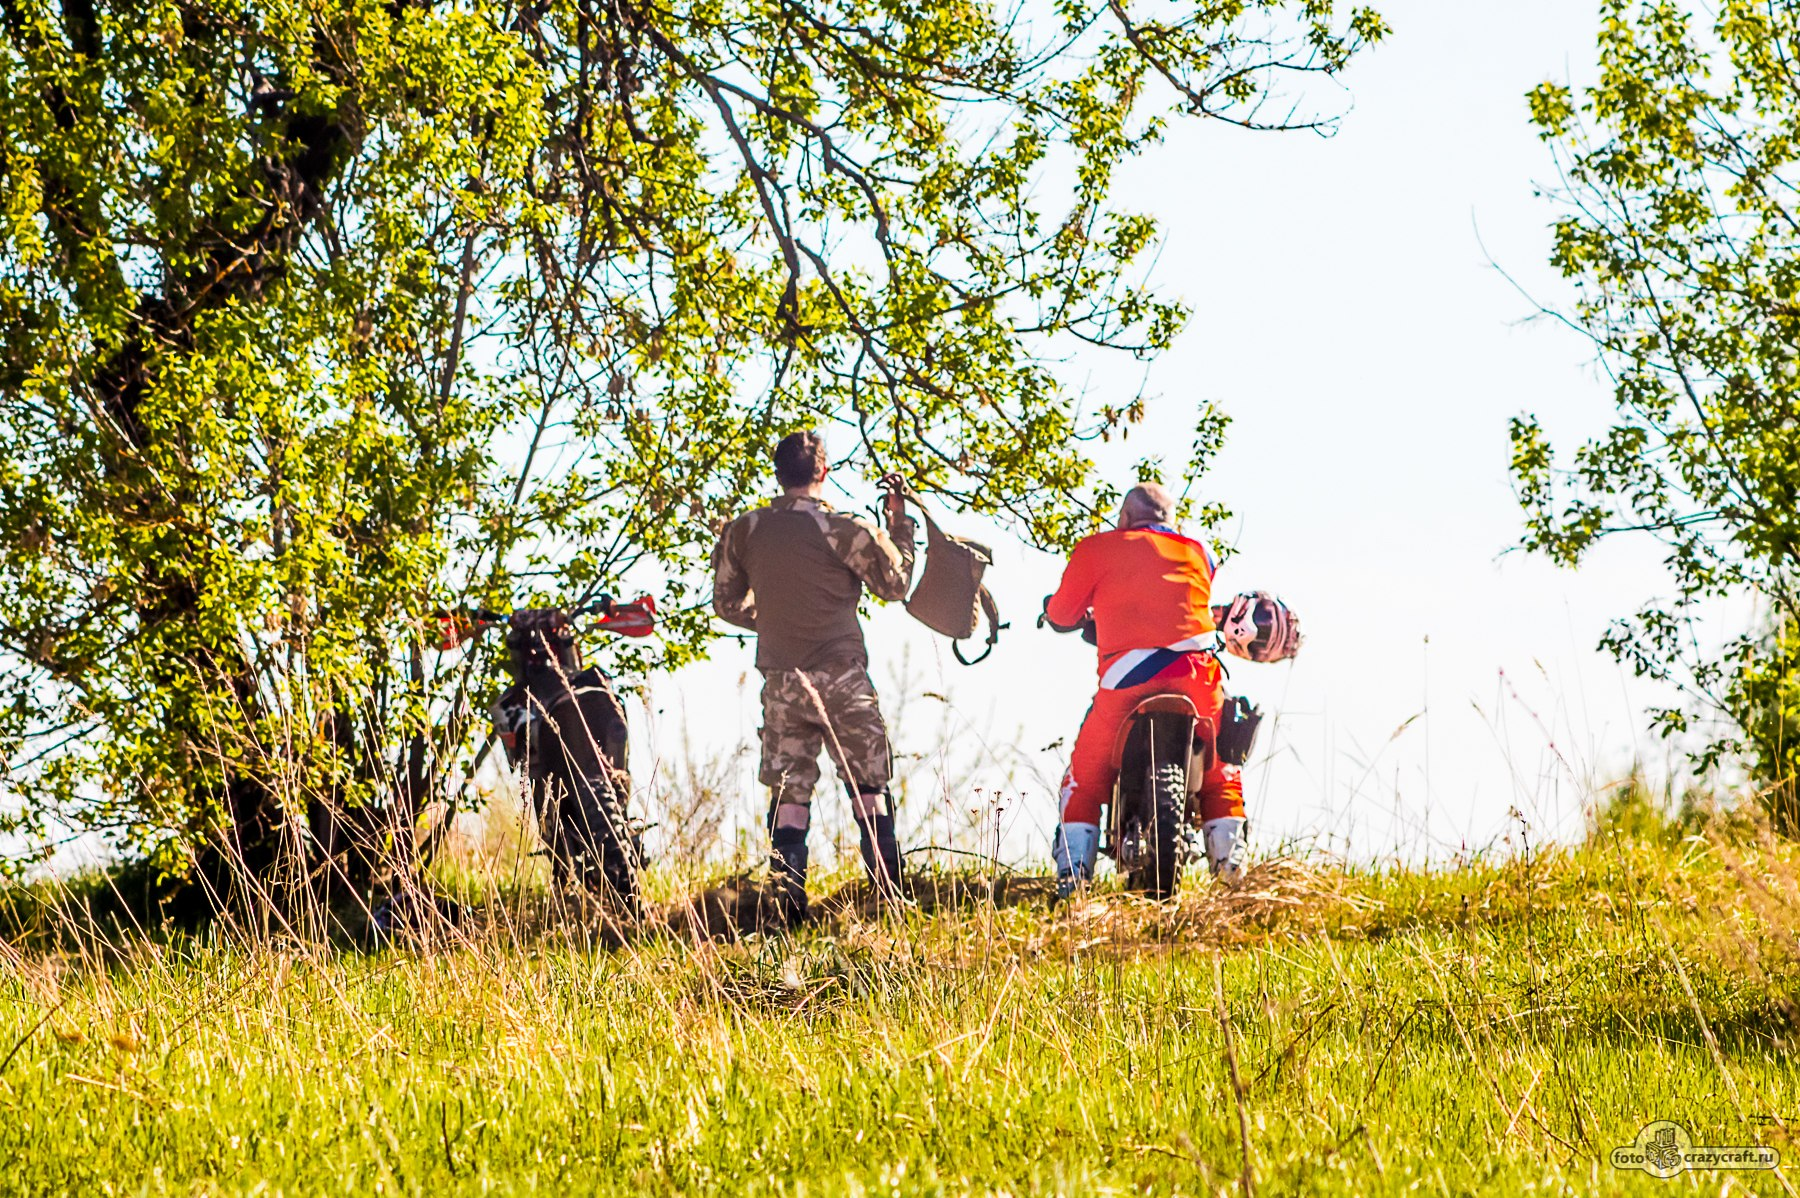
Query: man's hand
895, 504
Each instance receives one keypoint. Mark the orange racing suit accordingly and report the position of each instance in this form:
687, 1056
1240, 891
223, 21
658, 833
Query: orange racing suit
1149, 591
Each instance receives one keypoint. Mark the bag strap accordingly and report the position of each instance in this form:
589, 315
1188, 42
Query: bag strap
932, 531
992, 611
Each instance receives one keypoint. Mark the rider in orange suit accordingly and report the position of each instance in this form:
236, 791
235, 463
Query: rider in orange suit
1148, 591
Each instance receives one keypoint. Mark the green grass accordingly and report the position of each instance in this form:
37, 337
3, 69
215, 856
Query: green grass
1496, 1029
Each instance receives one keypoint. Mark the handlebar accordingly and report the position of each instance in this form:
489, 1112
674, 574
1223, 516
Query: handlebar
487, 617
636, 618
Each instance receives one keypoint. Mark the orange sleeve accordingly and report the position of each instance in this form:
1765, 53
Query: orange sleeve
1075, 594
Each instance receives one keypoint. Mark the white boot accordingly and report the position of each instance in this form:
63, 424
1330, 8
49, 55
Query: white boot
1227, 847
1073, 849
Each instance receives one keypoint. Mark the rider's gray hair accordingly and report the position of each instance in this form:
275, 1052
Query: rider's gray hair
1146, 503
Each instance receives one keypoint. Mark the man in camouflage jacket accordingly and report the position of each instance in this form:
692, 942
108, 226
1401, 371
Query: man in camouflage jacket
793, 572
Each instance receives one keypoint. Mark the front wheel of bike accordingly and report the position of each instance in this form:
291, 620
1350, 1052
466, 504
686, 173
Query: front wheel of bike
590, 840
609, 856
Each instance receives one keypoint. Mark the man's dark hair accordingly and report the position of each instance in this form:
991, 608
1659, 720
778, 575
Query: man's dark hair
800, 459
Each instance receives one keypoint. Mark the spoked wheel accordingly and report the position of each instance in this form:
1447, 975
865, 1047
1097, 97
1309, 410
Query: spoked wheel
590, 841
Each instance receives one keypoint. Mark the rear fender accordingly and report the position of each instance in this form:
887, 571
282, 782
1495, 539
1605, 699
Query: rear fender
1162, 719
1166, 705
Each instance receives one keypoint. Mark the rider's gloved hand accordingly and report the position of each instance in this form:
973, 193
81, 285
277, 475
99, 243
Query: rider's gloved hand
1086, 627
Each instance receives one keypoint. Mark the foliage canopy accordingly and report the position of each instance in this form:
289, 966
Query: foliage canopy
316, 314
1681, 233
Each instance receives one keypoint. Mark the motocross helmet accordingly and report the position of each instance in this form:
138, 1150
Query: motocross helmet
1259, 627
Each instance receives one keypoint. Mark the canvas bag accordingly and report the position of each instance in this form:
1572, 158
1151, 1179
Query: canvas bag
949, 598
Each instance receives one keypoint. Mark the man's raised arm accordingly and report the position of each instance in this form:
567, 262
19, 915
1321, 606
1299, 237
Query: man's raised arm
884, 563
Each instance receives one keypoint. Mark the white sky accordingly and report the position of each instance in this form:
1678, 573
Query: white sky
1345, 314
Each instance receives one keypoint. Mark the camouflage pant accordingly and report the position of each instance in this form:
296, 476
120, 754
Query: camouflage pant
794, 730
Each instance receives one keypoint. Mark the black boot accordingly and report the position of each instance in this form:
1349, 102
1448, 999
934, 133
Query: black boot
881, 854
787, 875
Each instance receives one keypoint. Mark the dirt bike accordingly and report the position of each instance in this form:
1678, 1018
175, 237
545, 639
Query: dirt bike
563, 728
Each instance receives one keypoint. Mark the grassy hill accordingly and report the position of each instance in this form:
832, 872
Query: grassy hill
1497, 1028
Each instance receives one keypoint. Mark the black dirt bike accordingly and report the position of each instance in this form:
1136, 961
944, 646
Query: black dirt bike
563, 728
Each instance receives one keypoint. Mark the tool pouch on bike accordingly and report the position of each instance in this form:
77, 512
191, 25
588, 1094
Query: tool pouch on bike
1237, 729
949, 598
512, 718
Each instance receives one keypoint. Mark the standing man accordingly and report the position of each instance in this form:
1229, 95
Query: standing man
792, 573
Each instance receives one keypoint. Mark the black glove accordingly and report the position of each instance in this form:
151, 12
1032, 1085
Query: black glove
1086, 627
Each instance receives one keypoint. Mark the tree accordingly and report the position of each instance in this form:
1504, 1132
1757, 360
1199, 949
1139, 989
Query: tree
315, 315
1681, 234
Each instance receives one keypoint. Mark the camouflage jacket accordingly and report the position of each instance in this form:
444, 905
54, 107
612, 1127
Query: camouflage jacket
792, 572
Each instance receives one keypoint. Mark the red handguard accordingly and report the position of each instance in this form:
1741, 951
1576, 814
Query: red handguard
637, 618
455, 629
